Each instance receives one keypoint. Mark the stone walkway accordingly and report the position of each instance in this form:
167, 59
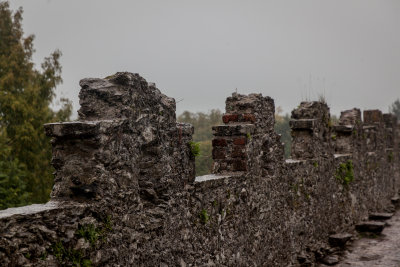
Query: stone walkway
383, 250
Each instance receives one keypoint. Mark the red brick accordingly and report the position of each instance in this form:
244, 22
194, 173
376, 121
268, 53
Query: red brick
219, 142
230, 117
238, 152
218, 153
249, 117
240, 141
239, 165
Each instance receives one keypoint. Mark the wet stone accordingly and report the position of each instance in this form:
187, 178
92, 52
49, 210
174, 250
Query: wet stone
371, 226
339, 240
380, 216
330, 260
395, 200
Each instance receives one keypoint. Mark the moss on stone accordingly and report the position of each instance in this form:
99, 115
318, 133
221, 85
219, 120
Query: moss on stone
204, 217
194, 148
345, 173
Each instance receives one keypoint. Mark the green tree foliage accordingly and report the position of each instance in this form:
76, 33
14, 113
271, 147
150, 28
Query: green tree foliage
203, 123
282, 127
12, 173
25, 98
395, 108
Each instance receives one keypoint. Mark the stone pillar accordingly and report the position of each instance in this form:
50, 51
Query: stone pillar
349, 127
373, 123
126, 141
238, 144
311, 134
390, 122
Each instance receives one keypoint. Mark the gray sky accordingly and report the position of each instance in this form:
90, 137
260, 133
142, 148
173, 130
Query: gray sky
199, 52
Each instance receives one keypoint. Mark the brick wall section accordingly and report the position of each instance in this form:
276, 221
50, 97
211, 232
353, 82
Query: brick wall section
238, 144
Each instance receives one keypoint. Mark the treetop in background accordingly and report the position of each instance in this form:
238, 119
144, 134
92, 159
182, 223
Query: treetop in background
25, 98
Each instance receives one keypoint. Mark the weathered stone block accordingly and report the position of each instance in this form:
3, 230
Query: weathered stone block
72, 129
302, 124
253, 108
345, 129
311, 110
373, 116
380, 216
339, 240
370, 226
330, 260
350, 117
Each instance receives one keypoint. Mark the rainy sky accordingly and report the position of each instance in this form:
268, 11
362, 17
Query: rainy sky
199, 52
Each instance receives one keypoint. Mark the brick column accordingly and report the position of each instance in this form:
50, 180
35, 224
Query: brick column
247, 120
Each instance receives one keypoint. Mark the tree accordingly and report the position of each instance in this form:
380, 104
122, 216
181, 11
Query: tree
12, 186
203, 123
25, 98
395, 108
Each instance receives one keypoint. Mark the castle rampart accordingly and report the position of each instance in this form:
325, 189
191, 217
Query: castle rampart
125, 192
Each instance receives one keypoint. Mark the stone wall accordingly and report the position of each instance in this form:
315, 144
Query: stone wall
125, 192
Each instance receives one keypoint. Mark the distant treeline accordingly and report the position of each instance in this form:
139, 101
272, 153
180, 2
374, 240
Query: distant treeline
203, 123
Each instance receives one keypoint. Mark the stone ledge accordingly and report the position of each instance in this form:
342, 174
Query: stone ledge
339, 240
343, 128
371, 226
302, 124
380, 216
338, 156
210, 177
72, 129
31, 209
295, 161
231, 130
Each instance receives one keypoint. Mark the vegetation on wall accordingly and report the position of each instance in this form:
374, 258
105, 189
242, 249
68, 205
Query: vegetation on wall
345, 173
26, 94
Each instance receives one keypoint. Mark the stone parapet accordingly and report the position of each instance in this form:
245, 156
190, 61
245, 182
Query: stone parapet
125, 192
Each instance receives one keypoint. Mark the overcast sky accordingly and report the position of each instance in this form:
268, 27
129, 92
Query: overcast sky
199, 52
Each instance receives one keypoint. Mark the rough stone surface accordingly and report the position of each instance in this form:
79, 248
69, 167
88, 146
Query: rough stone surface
339, 240
383, 250
330, 260
370, 226
125, 192
380, 216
